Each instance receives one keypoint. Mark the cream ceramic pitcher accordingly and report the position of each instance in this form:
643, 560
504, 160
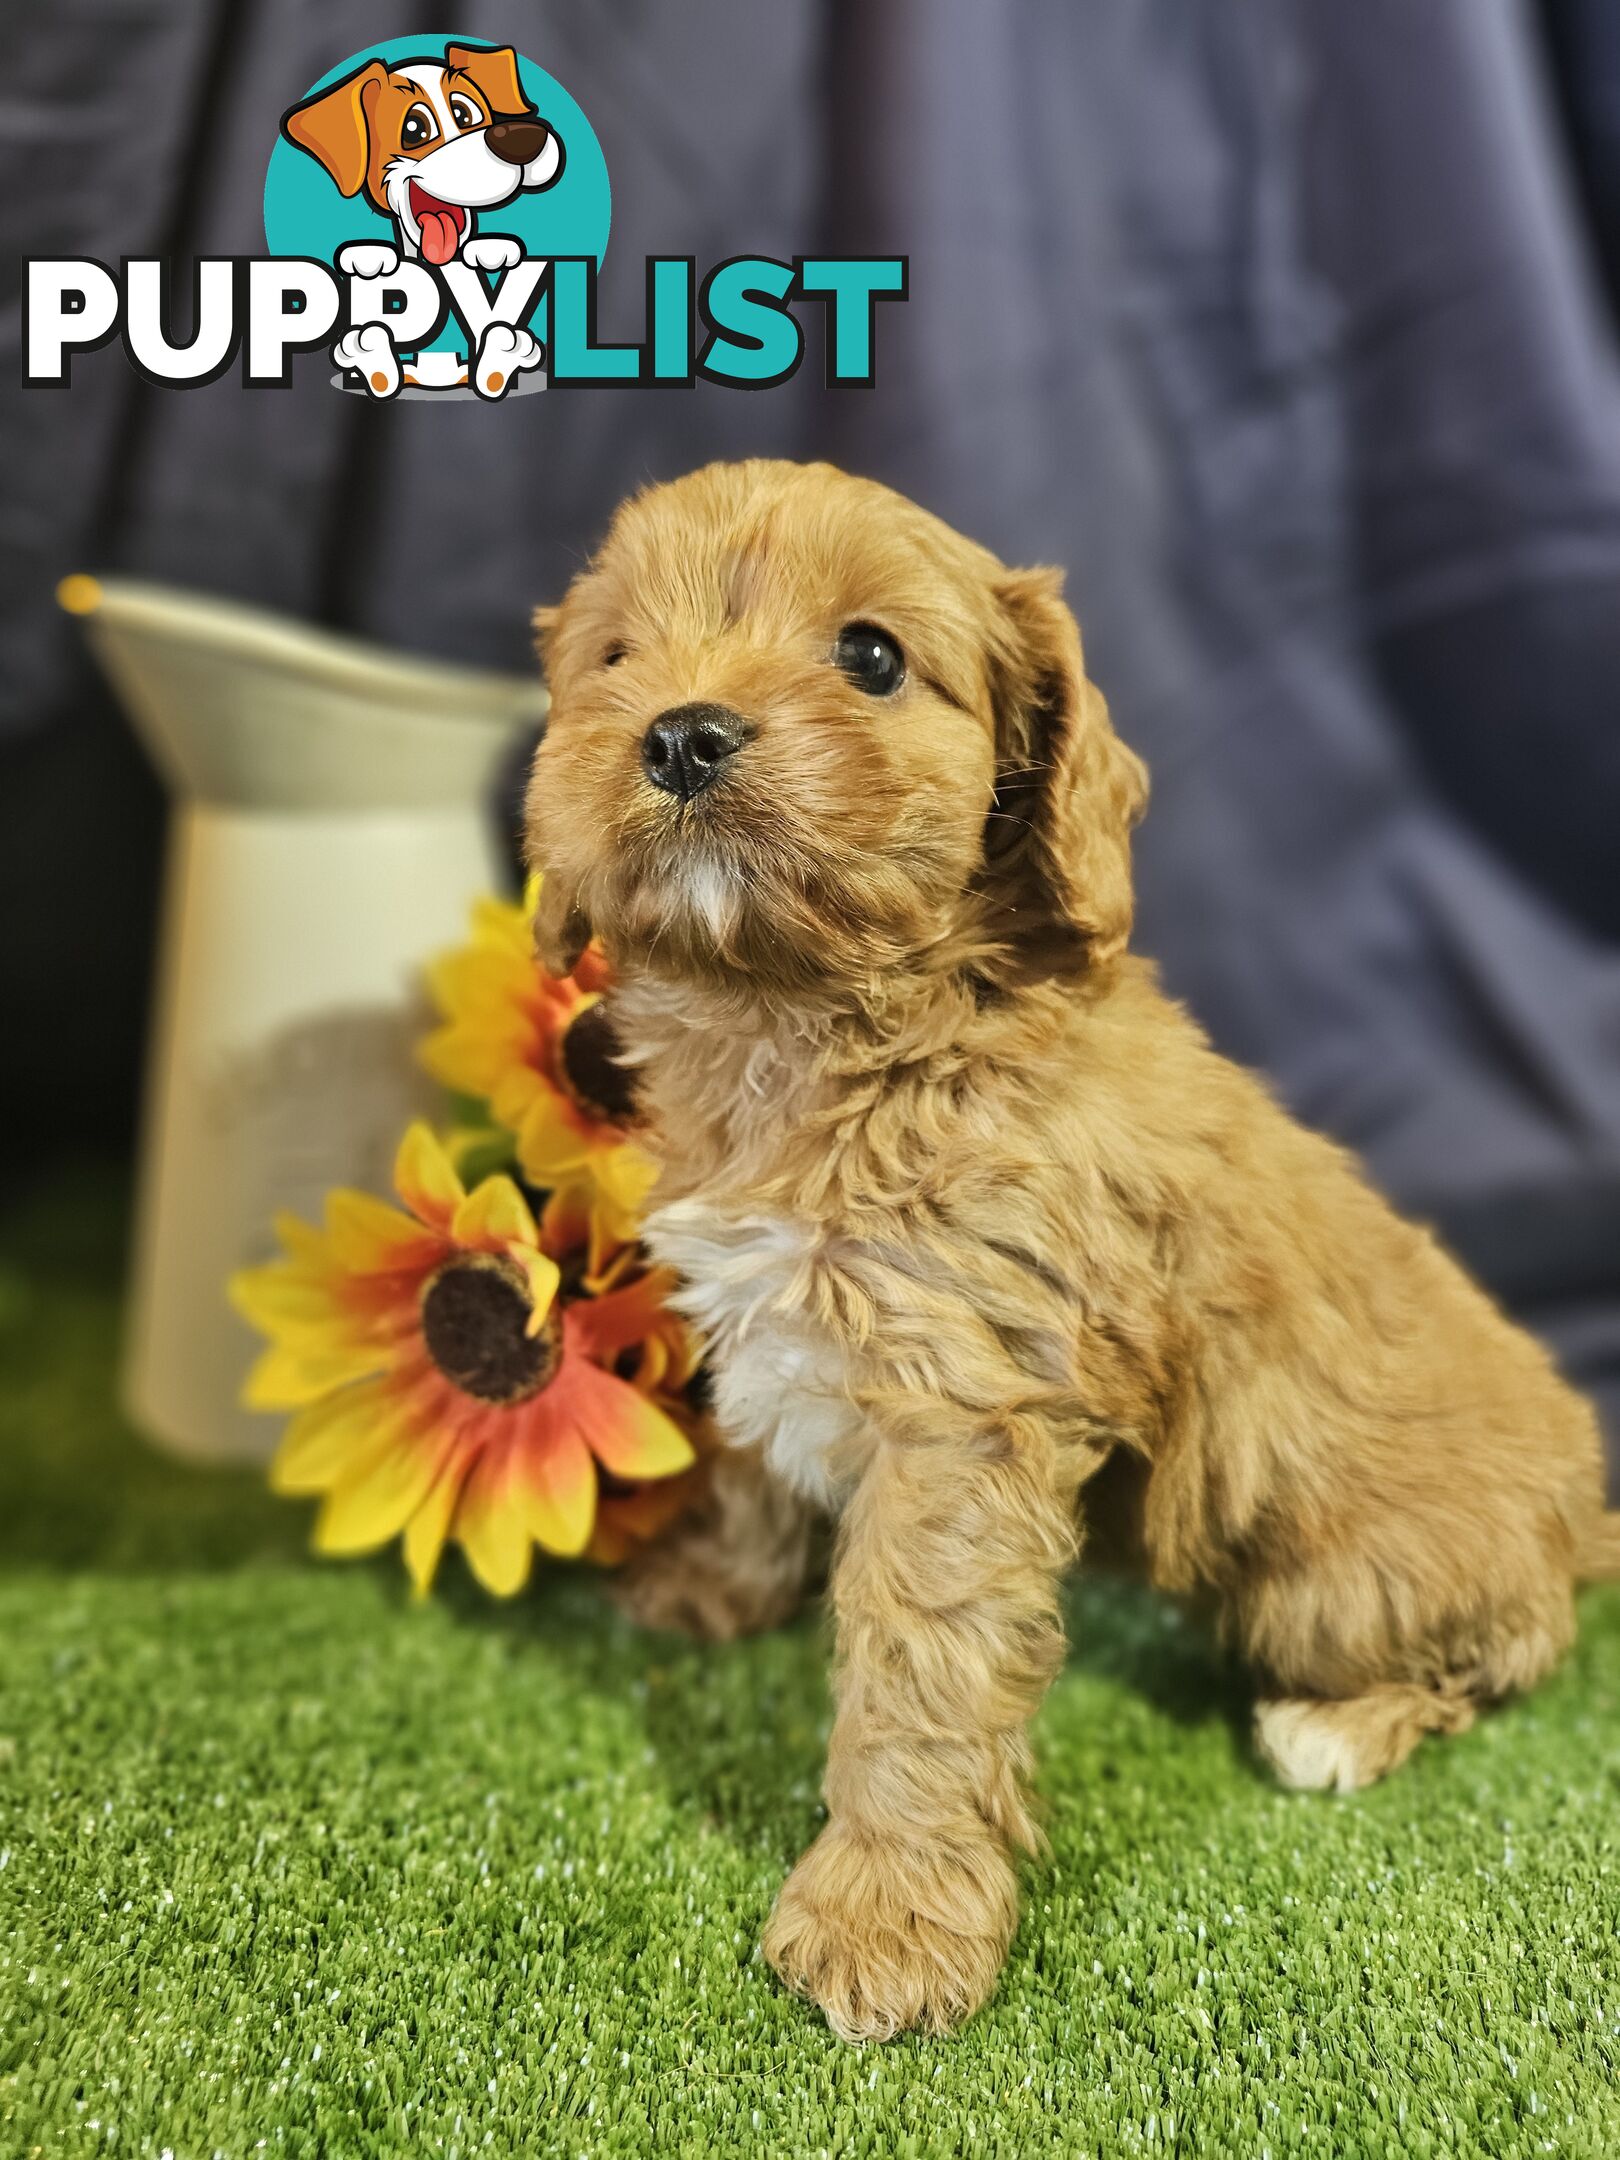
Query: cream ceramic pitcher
332, 820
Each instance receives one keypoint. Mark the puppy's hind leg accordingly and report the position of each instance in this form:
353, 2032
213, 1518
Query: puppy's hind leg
739, 1561
1317, 1745
1356, 1709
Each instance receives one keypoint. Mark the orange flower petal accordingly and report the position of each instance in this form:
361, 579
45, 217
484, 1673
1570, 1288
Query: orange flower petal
560, 1482
595, 970
627, 1433
607, 1325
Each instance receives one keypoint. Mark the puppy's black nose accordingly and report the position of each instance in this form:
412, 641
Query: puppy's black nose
517, 142
685, 747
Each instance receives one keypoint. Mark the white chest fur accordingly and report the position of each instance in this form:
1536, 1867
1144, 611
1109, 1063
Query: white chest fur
779, 1378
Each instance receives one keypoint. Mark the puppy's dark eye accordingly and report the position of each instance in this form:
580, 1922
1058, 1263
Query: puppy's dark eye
614, 654
870, 658
420, 127
465, 113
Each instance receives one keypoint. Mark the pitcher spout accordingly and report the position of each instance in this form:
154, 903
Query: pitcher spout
241, 707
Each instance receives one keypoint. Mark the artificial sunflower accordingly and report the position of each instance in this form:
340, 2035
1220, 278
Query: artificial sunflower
540, 1052
445, 1388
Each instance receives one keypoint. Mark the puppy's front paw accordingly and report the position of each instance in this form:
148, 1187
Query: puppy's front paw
492, 251
369, 352
368, 259
503, 355
887, 1938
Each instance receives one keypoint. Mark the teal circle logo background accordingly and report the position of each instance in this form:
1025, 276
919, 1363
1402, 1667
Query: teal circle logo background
305, 214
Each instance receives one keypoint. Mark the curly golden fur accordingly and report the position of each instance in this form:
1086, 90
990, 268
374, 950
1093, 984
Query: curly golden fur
965, 1207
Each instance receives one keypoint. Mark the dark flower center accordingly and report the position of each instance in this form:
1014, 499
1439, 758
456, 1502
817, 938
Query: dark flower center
475, 1314
590, 1063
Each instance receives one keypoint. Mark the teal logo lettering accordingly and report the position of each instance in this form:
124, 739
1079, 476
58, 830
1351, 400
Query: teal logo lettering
436, 212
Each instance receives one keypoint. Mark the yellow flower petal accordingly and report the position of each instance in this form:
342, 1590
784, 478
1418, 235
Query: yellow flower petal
324, 1438
492, 1528
505, 926
287, 1375
427, 1529
513, 1099
495, 977
544, 1278
551, 1144
651, 1365
368, 1237
494, 1216
377, 1494
576, 1222
626, 1175
474, 1059
561, 1495
306, 1245
425, 1178
651, 1445
281, 1297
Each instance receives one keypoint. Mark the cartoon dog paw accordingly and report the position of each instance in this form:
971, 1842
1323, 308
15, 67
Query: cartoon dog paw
492, 251
503, 354
369, 351
368, 259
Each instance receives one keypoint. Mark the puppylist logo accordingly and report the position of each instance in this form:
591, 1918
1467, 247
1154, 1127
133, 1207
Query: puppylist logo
436, 213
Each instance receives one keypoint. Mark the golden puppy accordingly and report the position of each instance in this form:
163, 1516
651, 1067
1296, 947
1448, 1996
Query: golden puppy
963, 1207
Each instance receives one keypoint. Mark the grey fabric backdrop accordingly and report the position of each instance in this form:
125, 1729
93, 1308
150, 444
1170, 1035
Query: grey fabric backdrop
1278, 324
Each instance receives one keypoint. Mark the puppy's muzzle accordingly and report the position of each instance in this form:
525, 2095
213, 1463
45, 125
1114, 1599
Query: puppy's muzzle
686, 747
517, 142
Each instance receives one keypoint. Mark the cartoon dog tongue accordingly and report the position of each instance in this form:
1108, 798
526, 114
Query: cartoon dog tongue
440, 228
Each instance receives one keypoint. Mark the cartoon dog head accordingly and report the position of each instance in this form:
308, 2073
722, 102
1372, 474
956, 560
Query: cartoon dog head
430, 142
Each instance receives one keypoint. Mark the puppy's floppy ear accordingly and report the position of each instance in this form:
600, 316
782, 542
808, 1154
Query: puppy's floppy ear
1058, 841
561, 931
334, 126
493, 72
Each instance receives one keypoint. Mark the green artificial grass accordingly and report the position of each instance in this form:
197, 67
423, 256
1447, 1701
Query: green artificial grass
288, 1865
